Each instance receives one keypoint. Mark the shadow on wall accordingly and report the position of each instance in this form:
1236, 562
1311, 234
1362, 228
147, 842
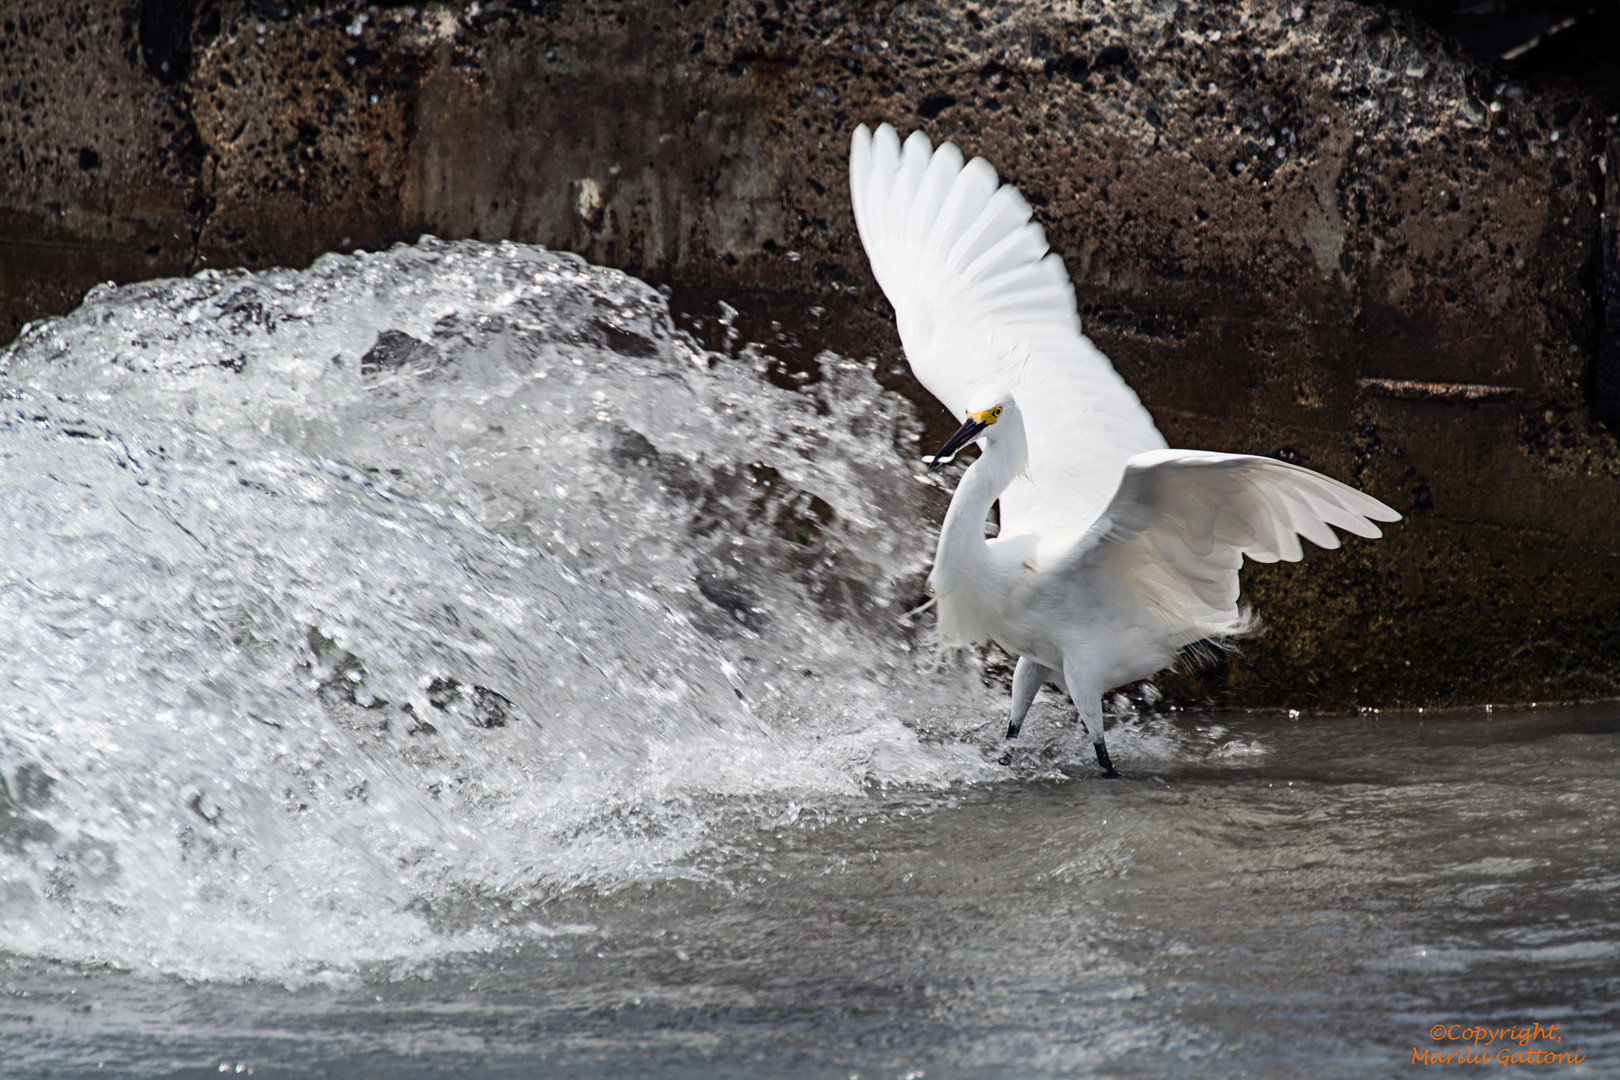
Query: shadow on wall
1572, 41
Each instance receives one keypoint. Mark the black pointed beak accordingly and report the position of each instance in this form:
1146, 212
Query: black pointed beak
964, 435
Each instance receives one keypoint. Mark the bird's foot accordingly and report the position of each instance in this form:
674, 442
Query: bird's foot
1103, 760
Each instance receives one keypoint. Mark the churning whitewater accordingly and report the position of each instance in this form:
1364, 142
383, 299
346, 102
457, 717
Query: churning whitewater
335, 600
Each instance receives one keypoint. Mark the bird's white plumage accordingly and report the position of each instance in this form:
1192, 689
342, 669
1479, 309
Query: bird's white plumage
1182, 521
1114, 551
980, 300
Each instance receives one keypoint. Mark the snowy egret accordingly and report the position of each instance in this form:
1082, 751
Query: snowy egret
1114, 552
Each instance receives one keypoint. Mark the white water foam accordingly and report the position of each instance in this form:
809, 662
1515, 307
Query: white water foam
334, 601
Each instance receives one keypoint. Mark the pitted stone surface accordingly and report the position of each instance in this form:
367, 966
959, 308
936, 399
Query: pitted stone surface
1297, 228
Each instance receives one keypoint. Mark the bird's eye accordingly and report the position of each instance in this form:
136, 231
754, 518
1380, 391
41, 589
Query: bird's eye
996, 412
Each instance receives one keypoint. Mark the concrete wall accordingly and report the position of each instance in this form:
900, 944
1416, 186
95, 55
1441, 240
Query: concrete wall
1301, 229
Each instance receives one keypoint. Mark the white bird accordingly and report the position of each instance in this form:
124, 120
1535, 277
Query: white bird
1114, 552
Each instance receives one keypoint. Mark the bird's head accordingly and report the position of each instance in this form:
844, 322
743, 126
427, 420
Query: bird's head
992, 416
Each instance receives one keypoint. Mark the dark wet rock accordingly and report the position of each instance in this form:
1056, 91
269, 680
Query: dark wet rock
734, 596
1313, 226
623, 342
29, 789
477, 705
31, 786
490, 709
397, 352
340, 678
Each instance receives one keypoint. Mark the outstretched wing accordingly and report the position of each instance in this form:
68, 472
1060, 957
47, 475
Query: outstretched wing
980, 300
1177, 530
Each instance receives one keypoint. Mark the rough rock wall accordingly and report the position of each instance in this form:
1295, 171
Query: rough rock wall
1302, 229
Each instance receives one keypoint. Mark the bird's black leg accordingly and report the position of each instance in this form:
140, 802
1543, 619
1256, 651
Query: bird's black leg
1027, 679
1102, 757
1089, 705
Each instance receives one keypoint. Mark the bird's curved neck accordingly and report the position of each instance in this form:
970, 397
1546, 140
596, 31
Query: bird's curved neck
961, 537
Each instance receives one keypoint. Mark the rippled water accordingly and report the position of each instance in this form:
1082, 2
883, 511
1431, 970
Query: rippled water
434, 663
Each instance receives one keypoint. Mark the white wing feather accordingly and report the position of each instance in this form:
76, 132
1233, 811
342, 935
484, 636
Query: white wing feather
980, 300
1182, 521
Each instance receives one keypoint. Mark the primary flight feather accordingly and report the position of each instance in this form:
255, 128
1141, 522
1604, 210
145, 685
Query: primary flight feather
1114, 552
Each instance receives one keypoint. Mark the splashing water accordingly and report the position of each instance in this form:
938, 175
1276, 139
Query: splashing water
445, 612
335, 600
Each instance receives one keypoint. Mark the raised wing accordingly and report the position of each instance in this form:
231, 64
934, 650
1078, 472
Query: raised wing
980, 300
1182, 522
